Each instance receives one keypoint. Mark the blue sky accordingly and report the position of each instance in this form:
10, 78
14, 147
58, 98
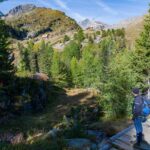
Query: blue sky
108, 11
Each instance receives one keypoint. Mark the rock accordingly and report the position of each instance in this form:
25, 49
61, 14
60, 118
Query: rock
103, 145
94, 147
19, 138
40, 76
92, 25
34, 137
97, 135
79, 144
6, 137
12, 138
1, 14
95, 126
31, 35
21, 9
52, 133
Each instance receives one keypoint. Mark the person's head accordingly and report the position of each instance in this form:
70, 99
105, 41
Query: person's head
135, 91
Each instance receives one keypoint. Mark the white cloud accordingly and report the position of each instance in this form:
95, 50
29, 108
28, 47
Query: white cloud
106, 8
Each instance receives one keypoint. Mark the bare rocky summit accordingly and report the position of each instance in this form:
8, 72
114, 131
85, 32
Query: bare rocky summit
96, 25
21, 9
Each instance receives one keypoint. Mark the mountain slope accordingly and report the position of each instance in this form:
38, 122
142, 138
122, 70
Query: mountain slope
1, 14
37, 21
96, 25
134, 29
20, 10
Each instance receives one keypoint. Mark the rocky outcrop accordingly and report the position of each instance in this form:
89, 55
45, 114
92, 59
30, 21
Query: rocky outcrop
12, 138
21, 9
96, 25
79, 144
1, 14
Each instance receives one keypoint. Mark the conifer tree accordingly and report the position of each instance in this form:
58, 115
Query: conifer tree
141, 55
45, 55
71, 50
75, 72
58, 70
79, 36
6, 56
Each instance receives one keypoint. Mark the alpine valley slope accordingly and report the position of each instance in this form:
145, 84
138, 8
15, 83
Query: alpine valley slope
29, 21
133, 27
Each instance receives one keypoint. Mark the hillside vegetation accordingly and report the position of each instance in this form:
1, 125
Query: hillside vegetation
36, 93
40, 20
133, 30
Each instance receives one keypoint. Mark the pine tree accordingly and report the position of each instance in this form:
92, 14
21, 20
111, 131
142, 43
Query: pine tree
90, 67
45, 55
71, 50
6, 56
24, 64
79, 36
33, 49
58, 70
75, 72
115, 95
66, 39
141, 55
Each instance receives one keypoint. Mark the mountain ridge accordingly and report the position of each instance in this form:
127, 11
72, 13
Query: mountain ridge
1, 14
29, 21
20, 9
96, 25
127, 22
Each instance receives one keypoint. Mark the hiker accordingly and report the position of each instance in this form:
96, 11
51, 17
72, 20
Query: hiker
137, 116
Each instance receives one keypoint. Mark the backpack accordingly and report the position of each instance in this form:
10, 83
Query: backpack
146, 107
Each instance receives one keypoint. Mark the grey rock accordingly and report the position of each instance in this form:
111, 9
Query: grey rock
104, 145
21, 9
52, 133
19, 138
12, 138
99, 136
96, 25
79, 144
1, 14
94, 147
31, 35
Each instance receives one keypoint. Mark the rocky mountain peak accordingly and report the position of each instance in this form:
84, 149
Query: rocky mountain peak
96, 25
21, 9
1, 14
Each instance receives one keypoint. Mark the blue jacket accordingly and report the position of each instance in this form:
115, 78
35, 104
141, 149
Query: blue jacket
137, 106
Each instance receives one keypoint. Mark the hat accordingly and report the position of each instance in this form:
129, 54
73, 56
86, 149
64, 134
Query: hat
136, 90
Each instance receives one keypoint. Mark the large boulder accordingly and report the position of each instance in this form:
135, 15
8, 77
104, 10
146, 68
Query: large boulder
79, 144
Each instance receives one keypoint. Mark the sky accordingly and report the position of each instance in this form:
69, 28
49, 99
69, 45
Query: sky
107, 11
